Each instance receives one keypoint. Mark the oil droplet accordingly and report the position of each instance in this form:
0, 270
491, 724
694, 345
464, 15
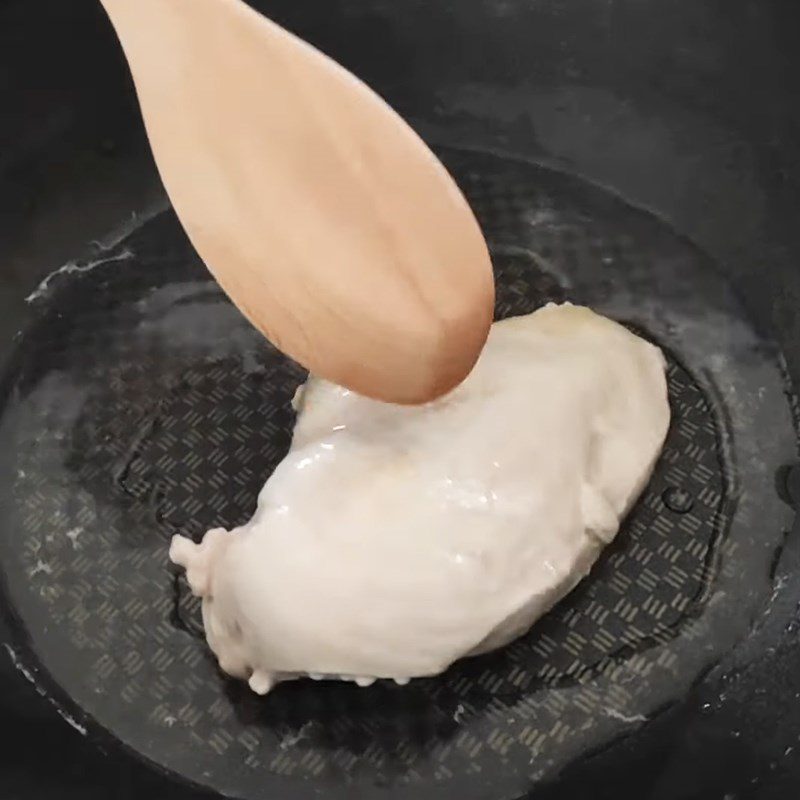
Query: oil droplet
677, 499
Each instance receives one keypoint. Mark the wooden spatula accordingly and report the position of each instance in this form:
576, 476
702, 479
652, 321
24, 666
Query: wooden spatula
320, 212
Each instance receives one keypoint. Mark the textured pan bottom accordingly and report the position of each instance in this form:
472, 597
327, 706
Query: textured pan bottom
139, 403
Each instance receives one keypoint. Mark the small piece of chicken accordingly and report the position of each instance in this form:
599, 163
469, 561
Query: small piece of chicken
393, 540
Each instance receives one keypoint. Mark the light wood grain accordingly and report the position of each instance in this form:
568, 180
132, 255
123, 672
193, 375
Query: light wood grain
320, 212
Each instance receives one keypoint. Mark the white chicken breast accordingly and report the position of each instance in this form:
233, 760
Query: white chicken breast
393, 540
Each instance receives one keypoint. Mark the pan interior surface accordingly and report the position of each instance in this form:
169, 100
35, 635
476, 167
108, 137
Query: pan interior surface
139, 403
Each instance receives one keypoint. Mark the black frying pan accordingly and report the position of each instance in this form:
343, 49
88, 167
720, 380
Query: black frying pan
636, 157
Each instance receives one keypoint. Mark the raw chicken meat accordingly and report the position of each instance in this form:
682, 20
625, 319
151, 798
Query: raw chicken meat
393, 540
